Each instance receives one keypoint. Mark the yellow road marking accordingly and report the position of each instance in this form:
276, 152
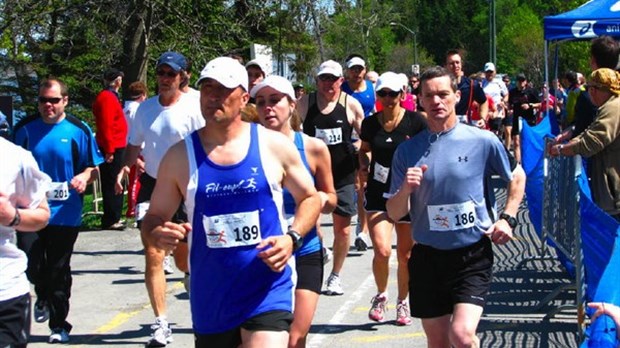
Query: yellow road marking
123, 317
377, 338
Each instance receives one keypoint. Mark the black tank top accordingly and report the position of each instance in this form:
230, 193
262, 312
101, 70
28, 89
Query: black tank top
335, 130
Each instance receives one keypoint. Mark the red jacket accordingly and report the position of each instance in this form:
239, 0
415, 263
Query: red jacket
110, 120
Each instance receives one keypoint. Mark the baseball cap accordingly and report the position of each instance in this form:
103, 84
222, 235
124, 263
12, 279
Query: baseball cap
276, 82
521, 77
606, 78
489, 66
112, 74
355, 61
330, 67
174, 60
391, 81
259, 64
225, 70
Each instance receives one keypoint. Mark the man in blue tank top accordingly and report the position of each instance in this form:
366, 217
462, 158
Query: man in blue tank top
230, 175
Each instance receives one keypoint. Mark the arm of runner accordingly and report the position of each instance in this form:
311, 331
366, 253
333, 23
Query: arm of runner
31, 219
275, 251
302, 107
80, 181
172, 174
132, 152
355, 113
324, 181
500, 232
363, 159
398, 205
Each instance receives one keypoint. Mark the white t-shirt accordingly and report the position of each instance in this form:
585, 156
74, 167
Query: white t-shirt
26, 186
130, 108
496, 90
157, 128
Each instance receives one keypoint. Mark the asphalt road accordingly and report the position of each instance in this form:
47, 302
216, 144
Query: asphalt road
110, 307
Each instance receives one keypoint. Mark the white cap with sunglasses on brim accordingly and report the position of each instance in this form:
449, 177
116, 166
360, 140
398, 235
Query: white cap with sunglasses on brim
391, 81
330, 67
259, 64
355, 61
227, 71
276, 82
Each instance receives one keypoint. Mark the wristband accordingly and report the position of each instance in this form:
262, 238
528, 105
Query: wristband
17, 219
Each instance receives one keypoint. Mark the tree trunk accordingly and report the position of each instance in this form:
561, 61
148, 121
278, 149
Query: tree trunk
136, 43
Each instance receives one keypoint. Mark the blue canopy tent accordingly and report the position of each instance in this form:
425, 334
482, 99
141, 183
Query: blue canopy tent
600, 243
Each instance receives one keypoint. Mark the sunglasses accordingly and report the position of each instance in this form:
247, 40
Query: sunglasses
327, 77
166, 73
382, 93
44, 100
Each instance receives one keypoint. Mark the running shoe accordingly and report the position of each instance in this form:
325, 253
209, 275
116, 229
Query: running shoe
41, 312
168, 265
333, 285
59, 336
378, 308
360, 243
328, 255
403, 315
162, 334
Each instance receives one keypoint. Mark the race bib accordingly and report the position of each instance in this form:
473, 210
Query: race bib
330, 136
381, 173
141, 209
232, 230
59, 191
451, 217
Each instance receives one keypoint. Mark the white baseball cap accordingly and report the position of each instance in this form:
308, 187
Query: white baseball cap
489, 66
355, 61
391, 81
227, 71
330, 67
259, 64
276, 82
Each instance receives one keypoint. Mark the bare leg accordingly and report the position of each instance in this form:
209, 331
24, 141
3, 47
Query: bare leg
154, 277
464, 324
261, 339
437, 331
404, 243
342, 231
305, 306
380, 229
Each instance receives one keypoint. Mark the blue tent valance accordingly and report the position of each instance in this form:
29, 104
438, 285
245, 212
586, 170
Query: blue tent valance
592, 19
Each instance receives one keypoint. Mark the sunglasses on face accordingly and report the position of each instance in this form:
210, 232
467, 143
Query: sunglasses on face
166, 73
382, 93
271, 101
44, 100
326, 77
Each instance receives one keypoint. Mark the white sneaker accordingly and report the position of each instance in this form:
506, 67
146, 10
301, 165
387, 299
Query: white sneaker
162, 334
333, 285
328, 255
41, 312
360, 242
59, 336
168, 269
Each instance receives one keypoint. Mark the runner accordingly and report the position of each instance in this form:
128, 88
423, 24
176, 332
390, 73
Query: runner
230, 174
331, 115
275, 101
65, 149
381, 134
440, 178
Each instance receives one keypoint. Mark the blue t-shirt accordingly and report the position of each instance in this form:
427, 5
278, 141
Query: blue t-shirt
454, 204
366, 98
62, 151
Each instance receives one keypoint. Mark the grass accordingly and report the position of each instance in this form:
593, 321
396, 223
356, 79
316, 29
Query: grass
92, 220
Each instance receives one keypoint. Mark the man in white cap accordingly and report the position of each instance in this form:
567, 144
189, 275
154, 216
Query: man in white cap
331, 115
256, 73
497, 90
161, 121
230, 175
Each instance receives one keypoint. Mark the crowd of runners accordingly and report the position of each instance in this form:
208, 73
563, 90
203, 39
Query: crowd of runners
231, 177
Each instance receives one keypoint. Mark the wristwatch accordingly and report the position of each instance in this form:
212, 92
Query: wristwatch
512, 222
298, 240
16, 219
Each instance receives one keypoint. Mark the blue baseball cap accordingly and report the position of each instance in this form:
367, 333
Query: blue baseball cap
175, 60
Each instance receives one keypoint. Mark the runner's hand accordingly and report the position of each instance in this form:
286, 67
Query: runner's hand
276, 251
500, 232
168, 235
413, 178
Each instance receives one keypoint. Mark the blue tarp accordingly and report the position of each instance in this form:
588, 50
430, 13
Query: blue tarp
600, 239
592, 19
